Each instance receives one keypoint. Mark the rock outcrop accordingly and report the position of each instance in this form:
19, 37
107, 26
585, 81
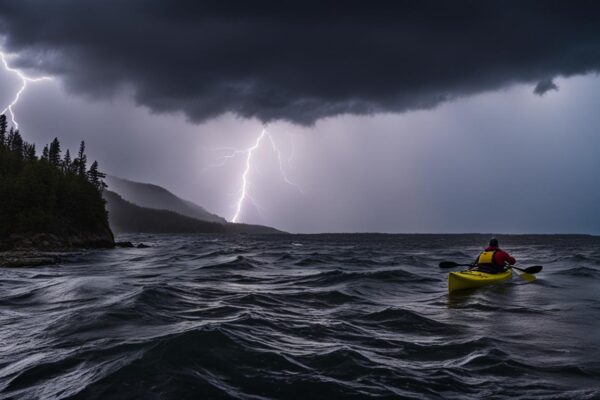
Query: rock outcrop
48, 241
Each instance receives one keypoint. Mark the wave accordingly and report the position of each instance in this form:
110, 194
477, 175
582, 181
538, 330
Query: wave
239, 263
582, 272
210, 361
386, 276
322, 298
406, 321
313, 260
256, 317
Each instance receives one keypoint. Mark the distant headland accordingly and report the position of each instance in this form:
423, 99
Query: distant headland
56, 202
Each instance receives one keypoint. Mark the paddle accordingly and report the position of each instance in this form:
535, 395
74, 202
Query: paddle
527, 273
530, 270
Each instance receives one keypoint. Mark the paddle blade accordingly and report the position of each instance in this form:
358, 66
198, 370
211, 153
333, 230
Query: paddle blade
533, 270
527, 277
448, 264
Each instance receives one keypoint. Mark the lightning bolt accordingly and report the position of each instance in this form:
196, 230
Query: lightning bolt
249, 153
24, 80
279, 159
244, 188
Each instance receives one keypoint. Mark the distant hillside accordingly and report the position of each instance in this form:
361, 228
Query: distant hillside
126, 217
154, 196
248, 228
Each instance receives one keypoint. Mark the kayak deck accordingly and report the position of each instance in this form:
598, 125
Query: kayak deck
474, 279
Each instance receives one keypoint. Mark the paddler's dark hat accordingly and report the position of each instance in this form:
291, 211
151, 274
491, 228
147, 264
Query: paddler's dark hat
493, 242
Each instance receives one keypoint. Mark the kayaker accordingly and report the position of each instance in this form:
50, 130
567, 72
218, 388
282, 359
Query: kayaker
493, 259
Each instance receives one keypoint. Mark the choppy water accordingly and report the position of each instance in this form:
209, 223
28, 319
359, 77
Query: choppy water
298, 317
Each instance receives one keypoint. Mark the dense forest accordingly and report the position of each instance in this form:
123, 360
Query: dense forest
52, 194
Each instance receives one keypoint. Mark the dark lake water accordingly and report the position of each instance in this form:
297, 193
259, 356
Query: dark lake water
301, 317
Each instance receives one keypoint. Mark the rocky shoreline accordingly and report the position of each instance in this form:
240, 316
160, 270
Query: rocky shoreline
29, 258
50, 250
22, 250
53, 242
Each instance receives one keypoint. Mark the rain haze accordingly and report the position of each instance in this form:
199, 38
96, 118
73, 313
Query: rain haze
406, 117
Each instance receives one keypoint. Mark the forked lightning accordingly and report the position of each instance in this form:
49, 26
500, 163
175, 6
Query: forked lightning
245, 183
24, 80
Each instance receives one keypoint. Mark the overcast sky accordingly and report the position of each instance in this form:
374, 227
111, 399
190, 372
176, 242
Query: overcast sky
460, 117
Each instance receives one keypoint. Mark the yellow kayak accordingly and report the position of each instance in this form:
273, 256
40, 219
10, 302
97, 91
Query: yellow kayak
474, 279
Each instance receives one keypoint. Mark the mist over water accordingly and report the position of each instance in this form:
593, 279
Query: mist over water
295, 316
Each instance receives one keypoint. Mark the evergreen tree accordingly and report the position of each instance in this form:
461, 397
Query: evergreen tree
67, 164
10, 138
3, 126
54, 152
81, 161
16, 143
45, 153
95, 177
29, 152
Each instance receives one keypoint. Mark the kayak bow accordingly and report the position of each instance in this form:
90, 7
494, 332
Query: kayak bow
474, 279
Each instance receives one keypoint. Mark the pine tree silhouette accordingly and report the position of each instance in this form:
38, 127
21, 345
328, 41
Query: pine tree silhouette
15, 143
54, 152
29, 152
81, 161
45, 153
67, 164
10, 138
95, 176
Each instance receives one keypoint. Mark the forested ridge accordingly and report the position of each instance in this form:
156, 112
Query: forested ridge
52, 194
127, 217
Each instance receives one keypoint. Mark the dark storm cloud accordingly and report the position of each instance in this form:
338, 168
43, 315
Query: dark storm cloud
544, 86
300, 61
